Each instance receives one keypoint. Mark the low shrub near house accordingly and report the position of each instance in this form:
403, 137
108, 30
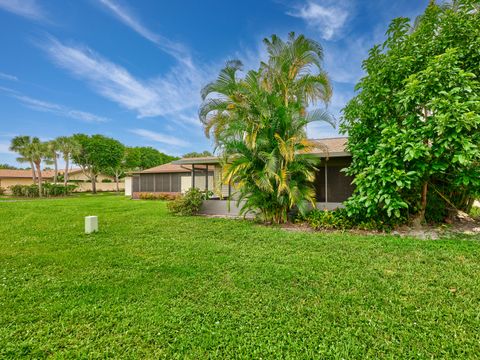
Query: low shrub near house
339, 219
324, 219
48, 190
2, 191
188, 204
107, 180
158, 196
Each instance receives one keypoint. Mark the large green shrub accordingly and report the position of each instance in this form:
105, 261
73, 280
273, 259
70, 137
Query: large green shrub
188, 204
414, 124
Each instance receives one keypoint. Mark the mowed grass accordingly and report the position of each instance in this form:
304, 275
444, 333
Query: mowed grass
150, 285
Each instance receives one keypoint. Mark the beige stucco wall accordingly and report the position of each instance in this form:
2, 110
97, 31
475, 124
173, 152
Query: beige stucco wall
7, 182
84, 186
81, 176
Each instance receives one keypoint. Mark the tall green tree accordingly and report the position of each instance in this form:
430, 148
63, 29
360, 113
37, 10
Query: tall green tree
145, 157
259, 125
195, 154
69, 147
414, 123
52, 157
21, 145
97, 154
38, 151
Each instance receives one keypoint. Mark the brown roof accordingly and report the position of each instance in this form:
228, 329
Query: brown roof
334, 146
166, 168
171, 168
5, 173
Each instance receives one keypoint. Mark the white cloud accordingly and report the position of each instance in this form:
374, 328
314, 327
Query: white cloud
327, 20
125, 15
8, 76
53, 108
158, 137
176, 91
26, 8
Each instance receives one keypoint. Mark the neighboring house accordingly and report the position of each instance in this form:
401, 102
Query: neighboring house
331, 184
76, 176
21, 177
170, 178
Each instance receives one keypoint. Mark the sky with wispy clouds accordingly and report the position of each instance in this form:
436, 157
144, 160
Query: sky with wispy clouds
133, 69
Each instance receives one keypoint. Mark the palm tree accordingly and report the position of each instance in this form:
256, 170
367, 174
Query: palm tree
259, 125
52, 157
20, 145
68, 147
38, 151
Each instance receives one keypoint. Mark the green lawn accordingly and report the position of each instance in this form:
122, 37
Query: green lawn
150, 285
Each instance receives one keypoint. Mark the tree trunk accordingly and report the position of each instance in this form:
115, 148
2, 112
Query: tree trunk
55, 163
94, 183
116, 180
419, 219
39, 173
65, 175
34, 177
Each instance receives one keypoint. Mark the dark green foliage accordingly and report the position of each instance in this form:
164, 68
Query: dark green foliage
48, 189
195, 154
188, 204
106, 180
141, 158
8, 167
2, 191
414, 125
324, 219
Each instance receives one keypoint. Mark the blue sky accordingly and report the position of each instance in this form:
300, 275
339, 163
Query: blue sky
133, 69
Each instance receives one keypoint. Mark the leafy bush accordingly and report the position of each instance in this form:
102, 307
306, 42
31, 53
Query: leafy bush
324, 219
2, 191
107, 180
339, 219
475, 212
207, 194
47, 190
158, 196
188, 204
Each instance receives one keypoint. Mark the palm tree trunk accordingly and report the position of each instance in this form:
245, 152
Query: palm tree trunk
65, 175
39, 173
34, 177
116, 180
55, 163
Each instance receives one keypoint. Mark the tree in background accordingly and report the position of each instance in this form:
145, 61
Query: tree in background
8, 167
141, 158
118, 168
97, 154
52, 157
69, 147
414, 124
195, 154
259, 125
38, 151
21, 145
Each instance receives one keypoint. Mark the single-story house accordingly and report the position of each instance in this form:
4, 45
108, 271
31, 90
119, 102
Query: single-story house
76, 176
331, 184
20, 177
